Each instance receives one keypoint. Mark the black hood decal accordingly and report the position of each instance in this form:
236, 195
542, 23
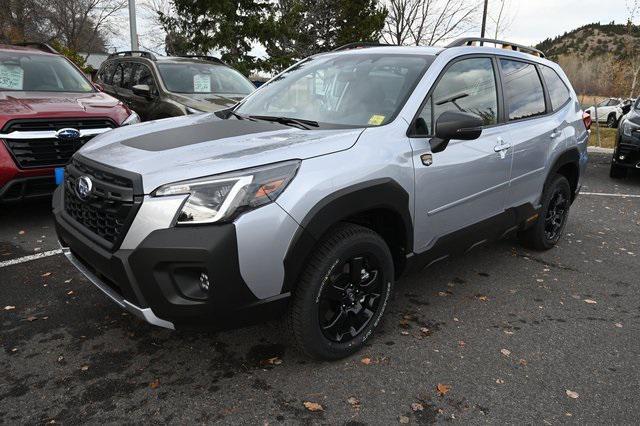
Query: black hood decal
198, 133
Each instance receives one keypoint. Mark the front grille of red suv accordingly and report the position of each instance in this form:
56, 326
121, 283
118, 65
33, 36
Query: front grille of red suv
106, 214
43, 149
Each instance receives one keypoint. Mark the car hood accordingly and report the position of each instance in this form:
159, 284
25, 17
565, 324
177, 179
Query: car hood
187, 147
207, 102
35, 103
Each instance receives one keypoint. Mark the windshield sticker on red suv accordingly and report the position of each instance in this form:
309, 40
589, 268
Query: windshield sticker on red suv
11, 77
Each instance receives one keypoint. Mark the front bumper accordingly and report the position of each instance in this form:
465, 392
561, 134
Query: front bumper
158, 280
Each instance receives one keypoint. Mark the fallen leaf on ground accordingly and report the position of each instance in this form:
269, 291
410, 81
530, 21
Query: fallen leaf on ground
353, 401
499, 381
84, 368
505, 352
154, 384
403, 419
443, 294
60, 358
482, 298
443, 389
9, 308
424, 330
271, 361
416, 406
522, 362
572, 394
67, 281
70, 293
366, 361
461, 343
589, 301
619, 325
21, 233
46, 274
404, 333
313, 406
32, 318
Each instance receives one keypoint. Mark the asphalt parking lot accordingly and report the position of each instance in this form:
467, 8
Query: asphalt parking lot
501, 336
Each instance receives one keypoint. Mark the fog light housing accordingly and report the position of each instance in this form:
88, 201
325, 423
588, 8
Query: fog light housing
204, 282
622, 157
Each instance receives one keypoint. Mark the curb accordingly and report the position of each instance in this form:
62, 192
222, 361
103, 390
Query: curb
598, 150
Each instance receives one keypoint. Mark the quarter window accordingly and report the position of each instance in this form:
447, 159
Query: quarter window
467, 86
558, 91
522, 89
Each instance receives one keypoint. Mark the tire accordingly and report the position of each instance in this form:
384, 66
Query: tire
618, 172
549, 226
612, 122
317, 319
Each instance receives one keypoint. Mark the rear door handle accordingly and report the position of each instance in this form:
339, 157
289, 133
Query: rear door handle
502, 147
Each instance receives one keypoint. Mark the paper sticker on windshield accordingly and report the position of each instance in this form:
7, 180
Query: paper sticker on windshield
201, 83
376, 120
11, 77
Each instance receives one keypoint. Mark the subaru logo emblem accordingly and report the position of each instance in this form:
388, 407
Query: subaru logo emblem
68, 133
84, 186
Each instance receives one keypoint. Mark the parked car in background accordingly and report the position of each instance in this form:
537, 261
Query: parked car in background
160, 87
610, 111
626, 154
48, 110
315, 193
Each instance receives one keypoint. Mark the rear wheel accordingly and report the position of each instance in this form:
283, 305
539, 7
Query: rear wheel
342, 294
548, 229
617, 172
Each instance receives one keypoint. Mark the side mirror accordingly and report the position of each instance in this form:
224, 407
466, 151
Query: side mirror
98, 87
455, 125
142, 90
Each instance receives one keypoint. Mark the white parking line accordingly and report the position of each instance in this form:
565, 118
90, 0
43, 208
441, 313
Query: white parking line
604, 194
29, 258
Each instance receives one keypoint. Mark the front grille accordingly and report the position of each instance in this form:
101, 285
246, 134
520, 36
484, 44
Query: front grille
48, 151
106, 214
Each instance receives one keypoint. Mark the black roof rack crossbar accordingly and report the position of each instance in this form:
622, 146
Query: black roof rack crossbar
41, 46
204, 58
469, 41
360, 45
140, 53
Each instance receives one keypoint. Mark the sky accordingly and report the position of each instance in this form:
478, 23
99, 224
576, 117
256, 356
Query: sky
531, 20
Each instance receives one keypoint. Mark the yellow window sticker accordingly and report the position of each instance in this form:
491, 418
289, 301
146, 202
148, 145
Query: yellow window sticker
376, 120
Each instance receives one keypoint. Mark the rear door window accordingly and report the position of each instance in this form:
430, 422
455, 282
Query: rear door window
128, 71
118, 75
523, 92
558, 91
106, 73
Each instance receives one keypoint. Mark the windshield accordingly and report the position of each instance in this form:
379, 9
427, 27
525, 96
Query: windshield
354, 90
192, 77
40, 73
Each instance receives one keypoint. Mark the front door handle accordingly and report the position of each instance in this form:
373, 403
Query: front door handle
502, 147
555, 134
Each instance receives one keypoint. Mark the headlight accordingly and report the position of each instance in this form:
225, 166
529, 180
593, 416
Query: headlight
132, 119
194, 111
628, 127
224, 197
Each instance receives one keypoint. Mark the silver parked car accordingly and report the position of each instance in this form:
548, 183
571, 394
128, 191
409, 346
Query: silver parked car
310, 197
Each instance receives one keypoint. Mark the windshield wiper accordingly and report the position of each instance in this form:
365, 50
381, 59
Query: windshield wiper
288, 121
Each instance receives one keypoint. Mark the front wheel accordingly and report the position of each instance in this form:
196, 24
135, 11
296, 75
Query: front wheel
548, 229
342, 294
612, 122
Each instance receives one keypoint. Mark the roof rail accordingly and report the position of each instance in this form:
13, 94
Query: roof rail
360, 45
40, 46
140, 53
469, 41
204, 58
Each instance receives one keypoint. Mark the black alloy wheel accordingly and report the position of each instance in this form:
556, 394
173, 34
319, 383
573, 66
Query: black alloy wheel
556, 215
350, 298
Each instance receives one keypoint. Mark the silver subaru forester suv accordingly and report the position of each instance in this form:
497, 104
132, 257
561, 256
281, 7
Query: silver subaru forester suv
310, 197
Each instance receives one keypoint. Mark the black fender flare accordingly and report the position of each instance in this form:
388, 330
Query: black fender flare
570, 156
384, 194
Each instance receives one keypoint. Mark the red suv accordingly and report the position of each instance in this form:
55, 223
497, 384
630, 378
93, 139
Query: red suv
48, 109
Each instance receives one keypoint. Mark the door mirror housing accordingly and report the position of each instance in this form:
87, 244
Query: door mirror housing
455, 125
98, 87
142, 90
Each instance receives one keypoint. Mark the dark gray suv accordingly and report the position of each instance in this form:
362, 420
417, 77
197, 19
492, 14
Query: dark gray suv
160, 87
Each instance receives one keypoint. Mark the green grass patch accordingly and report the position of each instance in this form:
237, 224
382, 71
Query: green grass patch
607, 137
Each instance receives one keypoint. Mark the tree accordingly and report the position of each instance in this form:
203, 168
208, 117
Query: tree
22, 20
632, 48
230, 27
302, 28
501, 15
427, 22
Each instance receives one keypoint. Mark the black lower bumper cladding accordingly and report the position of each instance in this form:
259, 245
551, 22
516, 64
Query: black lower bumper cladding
163, 274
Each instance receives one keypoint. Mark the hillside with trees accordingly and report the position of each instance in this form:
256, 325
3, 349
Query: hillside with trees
600, 59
